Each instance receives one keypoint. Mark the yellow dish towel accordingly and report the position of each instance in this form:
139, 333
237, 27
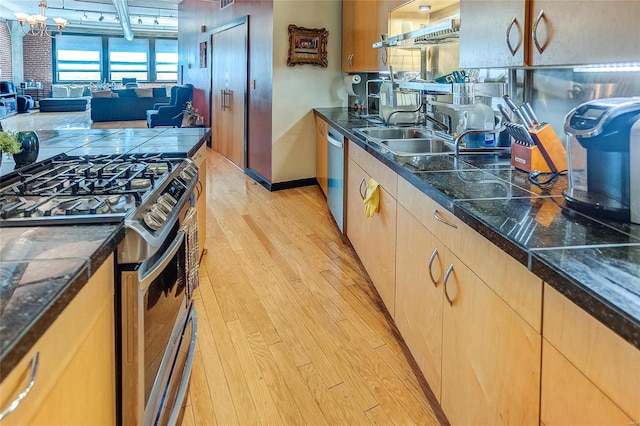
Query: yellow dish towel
372, 199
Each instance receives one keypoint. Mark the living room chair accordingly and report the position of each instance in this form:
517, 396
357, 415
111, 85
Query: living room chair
24, 103
172, 99
171, 115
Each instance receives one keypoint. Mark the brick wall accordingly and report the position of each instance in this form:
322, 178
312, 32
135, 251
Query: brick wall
38, 61
5, 52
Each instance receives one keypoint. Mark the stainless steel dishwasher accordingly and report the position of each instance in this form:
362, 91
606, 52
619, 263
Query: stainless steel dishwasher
335, 166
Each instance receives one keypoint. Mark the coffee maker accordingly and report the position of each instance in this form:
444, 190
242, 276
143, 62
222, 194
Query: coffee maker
603, 148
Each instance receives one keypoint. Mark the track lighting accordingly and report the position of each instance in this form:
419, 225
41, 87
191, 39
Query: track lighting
101, 18
116, 19
155, 22
84, 17
139, 20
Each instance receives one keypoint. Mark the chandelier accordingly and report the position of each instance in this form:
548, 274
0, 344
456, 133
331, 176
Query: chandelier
38, 23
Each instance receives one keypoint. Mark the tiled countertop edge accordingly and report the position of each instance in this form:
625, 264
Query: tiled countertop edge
48, 315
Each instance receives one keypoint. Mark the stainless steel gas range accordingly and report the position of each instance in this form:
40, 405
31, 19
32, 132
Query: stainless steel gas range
157, 261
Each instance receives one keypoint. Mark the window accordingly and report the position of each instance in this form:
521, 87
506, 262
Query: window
93, 58
166, 60
128, 59
78, 58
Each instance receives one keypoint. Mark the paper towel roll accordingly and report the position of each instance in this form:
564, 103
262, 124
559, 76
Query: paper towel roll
349, 82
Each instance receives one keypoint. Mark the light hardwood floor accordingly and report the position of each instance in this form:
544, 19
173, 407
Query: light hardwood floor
290, 330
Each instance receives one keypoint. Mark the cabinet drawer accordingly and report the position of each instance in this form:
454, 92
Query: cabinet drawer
386, 177
611, 363
512, 281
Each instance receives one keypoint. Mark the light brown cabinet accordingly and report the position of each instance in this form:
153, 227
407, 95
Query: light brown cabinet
491, 356
362, 23
490, 344
420, 268
75, 379
200, 158
373, 238
600, 369
546, 32
322, 174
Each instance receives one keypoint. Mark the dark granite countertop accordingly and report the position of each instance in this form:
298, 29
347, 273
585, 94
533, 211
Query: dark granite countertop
595, 263
43, 268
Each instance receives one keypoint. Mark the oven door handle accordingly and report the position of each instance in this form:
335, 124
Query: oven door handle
147, 277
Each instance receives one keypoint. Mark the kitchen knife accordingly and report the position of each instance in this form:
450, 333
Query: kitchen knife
515, 109
529, 110
528, 121
505, 113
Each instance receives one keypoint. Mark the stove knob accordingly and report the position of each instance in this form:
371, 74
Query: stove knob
159, 211
168, 200
152, 221
163, 208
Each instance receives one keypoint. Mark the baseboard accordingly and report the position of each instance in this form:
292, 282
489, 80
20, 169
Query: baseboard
278, 186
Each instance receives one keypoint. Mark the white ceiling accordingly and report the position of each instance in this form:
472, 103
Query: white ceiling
165, 11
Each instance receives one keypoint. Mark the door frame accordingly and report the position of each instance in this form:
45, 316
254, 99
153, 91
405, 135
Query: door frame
244, 20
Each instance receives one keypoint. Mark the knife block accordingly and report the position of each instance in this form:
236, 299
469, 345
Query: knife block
530, 158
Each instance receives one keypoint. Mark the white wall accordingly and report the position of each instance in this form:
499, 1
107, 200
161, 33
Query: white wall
299, 89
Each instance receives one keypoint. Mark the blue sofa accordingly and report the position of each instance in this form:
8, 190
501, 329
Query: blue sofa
126, 106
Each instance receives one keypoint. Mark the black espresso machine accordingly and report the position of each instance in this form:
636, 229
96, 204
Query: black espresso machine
603, 148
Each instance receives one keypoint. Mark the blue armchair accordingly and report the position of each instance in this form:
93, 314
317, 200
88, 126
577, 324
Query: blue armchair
171, 115
172, 98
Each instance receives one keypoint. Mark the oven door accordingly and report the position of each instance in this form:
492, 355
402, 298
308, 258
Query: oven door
155, 311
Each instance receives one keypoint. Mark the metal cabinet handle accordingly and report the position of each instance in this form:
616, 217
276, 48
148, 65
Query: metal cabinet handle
350, 60
446, 280
22, 395
441, 219
534, 31
222, 99
513, 50
431, 259
363, 194
322, 124
384, 56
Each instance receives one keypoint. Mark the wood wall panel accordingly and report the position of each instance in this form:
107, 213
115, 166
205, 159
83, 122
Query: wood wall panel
196, 13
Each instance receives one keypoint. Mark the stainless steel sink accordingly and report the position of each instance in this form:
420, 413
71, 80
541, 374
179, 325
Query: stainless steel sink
406, 141
385, 133
404, 147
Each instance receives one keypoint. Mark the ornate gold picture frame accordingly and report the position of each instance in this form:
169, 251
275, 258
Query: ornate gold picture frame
307, 46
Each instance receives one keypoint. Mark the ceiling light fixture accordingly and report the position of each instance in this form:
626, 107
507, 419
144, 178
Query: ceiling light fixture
155, 22
84, 17
424, 8
139, 20
38, 23
101, 18
116, 19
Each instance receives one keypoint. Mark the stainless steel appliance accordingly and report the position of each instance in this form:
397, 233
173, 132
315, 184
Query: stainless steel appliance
603, 158
335, 171
157, 263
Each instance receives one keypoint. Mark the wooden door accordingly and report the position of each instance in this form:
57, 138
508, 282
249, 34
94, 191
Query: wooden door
574, 32
229, 91
494, 33
420, 268
490, 356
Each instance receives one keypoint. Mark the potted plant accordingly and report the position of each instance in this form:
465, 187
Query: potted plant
9, 143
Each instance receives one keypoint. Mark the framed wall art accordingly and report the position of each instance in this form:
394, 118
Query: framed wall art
203, 54
307, 46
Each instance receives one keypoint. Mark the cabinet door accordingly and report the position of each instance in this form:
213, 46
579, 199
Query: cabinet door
577, 32
362, 23
201, 191
74, 383
492, 33
373, 238
321, 154
418, 313
570, 398
491, 356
